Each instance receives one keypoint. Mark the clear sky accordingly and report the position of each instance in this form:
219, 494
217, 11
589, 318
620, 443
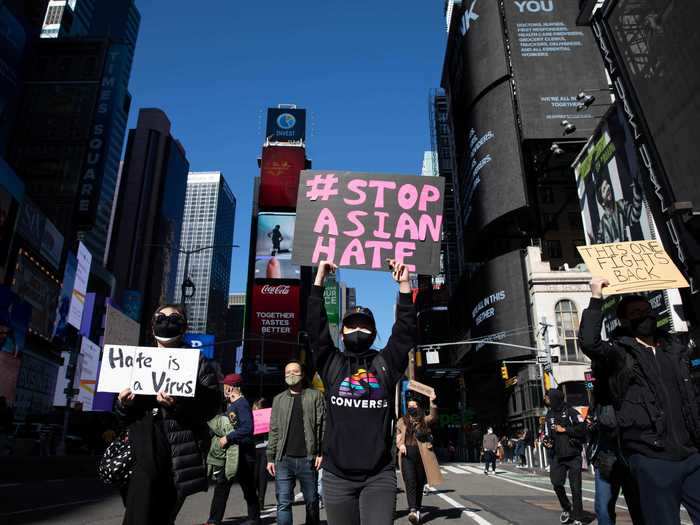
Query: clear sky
362, 69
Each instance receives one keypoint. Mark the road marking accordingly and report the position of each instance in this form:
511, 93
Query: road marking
443, 471
549, 491
456, 470
478, 519
49, 507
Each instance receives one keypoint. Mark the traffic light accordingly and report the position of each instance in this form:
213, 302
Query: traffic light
504, 371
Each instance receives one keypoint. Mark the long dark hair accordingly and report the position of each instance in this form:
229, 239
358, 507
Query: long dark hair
415, 425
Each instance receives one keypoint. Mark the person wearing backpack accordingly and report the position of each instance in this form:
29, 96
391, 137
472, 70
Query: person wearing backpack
656, 407
359, 480
564, 434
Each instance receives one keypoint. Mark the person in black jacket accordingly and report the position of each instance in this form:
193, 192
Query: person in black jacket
655, 404
167, 434
359, 480
238, 410
564, 434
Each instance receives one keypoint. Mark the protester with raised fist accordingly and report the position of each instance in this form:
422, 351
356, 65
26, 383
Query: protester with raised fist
167, 435
655, 405
359, 480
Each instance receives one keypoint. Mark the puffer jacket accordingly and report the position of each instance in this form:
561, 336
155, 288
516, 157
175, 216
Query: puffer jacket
219, 457
184, 425
634, 383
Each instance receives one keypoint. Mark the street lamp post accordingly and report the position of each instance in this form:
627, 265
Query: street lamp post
186, 281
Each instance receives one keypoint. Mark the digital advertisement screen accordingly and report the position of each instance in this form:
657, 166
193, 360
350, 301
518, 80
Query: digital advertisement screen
553, 60
491, 182
286, 124
274, 317
279, 176
499, 306
659, 45
274, 245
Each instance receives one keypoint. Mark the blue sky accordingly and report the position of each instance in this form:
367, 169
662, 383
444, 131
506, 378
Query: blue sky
362, 69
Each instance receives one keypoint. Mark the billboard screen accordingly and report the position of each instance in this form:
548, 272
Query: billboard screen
658, 41
275, 317
479, 58
35, 285
285, 124
613, 207
279, 176
491, 179
498, 306
273, 247
553, 60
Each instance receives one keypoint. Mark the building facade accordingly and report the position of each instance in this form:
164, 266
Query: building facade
210, 209
148, 214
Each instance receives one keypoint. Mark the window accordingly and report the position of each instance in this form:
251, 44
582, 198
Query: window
567, 329
53, 15
552, 249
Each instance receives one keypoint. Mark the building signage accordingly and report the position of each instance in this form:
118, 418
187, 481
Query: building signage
90, 360
36, 383
111, 94
202, 342
82, 274
35, 285
553, 60
274, 318
65, 296
358, 220
274, 246
499, 308
279, 176
286, 124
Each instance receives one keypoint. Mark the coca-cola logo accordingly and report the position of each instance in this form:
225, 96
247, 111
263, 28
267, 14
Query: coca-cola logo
280, 289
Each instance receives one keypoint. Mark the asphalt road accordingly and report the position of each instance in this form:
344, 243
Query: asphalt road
468, 496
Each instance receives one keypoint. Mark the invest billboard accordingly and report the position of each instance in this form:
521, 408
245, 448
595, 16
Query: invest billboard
286, 124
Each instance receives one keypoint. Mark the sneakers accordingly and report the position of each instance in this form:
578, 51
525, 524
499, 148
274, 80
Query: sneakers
414, 517
564, 517
426, 491
486, 472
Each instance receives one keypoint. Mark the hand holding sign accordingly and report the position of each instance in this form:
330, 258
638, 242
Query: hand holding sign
630, 267
357, 220
135, 370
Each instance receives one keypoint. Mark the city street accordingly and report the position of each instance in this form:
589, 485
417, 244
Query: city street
511, 497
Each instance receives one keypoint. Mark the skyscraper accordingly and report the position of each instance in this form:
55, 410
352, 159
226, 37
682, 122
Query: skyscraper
210, 210
148, 213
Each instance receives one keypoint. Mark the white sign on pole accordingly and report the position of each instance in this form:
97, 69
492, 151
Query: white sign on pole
148, 370
82, 274
90, 354
59, 396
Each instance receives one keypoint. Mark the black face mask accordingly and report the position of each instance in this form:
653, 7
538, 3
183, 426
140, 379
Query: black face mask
413, 412
168, 326
643, 327
357, 342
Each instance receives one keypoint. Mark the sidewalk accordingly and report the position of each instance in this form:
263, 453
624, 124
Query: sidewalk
14, 469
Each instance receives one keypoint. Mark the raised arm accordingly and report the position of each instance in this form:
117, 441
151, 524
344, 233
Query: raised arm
403, 334
590, 340
320, 341
431, 418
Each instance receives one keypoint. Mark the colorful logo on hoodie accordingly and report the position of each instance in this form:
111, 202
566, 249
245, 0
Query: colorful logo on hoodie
362, 384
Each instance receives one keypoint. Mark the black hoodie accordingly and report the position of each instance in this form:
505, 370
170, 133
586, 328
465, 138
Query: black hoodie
360, 391
566, 444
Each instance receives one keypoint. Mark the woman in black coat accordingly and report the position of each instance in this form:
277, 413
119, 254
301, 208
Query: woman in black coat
168, 435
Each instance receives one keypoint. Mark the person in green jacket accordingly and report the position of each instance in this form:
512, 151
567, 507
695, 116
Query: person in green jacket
294, 445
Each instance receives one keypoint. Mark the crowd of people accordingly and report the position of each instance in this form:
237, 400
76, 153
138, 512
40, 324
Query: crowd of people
641, 434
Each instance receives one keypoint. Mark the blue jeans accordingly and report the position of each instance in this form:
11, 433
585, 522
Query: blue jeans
606, 493
287, 471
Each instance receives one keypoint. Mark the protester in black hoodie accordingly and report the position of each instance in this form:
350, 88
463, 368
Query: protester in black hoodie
359, 480
656, 408
167, 435
564, 434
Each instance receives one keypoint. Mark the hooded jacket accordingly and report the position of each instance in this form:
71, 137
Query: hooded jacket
359, 390
569, 443
635, 388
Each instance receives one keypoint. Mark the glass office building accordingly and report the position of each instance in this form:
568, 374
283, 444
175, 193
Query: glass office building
210, 209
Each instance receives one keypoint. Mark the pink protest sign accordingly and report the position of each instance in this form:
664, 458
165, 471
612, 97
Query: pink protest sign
261, 421
358, 220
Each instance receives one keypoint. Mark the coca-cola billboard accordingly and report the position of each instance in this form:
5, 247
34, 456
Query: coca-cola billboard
274, 317
279, 176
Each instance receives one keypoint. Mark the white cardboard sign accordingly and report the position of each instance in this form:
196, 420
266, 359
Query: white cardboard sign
148, 370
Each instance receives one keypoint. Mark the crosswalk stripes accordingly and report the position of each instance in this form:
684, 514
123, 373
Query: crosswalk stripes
456, 470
